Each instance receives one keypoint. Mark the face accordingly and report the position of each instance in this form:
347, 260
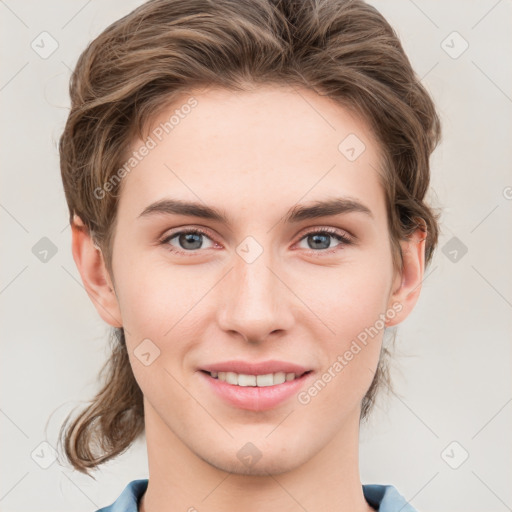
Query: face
264, 280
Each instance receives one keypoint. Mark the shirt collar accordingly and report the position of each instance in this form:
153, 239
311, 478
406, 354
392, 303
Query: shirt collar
383, 498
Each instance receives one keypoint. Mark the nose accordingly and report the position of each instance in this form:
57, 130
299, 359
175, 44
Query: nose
255, 299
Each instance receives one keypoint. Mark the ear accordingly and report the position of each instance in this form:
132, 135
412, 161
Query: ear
91, 266
407, 283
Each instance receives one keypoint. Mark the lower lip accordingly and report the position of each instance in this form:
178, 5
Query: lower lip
255, 398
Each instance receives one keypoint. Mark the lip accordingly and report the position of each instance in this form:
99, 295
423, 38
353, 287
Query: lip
262, 368
253, 398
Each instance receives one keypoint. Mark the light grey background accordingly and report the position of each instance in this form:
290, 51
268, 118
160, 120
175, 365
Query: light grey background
453, 361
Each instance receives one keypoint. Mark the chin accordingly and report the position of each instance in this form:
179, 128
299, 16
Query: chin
273, 465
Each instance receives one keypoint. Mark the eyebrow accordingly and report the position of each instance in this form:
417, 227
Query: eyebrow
298, 213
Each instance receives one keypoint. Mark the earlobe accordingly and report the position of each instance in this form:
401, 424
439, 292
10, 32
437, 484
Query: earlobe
407, 286
91, 266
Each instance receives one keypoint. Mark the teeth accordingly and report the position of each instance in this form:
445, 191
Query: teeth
231, 378
241, 379
267, 380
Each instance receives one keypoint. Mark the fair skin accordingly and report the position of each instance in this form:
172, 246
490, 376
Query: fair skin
253, 156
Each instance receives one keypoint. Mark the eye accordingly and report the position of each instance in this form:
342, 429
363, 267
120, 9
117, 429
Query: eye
190, 240
321, 240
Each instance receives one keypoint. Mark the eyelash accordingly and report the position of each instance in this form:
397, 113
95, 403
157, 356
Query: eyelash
344, 239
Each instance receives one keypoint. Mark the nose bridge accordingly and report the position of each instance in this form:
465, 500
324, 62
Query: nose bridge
254, 298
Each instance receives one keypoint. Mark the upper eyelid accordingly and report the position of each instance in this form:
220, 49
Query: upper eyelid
171, 234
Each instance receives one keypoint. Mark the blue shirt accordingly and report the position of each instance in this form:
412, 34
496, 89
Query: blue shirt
384, 498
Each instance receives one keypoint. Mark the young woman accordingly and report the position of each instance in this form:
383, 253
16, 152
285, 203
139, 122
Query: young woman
246, 184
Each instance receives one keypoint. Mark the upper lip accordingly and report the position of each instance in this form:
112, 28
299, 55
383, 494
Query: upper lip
262, 368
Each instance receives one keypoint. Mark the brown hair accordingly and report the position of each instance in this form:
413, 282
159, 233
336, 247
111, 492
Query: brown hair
135, 68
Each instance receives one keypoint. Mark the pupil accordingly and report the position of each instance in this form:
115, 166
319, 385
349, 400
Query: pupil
318, 237
190, 238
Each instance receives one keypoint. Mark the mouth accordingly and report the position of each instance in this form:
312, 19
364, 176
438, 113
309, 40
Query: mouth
255, 392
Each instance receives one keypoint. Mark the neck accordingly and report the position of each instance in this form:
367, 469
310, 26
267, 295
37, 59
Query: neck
180, 479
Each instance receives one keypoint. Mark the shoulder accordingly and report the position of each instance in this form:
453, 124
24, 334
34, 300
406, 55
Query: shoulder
129, 499
386, 498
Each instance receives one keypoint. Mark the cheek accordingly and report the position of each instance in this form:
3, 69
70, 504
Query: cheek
154, 303
349, 297
359, 304
350, 356
152, 298
352, 304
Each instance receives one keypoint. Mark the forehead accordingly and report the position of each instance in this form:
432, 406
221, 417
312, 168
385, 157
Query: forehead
269, 146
